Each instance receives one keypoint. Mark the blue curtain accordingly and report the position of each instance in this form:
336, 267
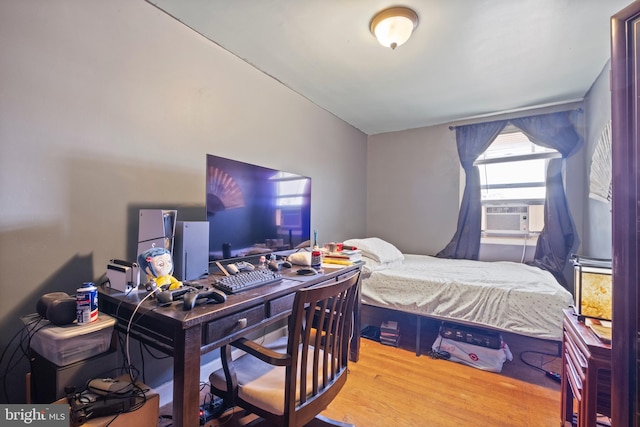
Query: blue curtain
558, 238
472, 141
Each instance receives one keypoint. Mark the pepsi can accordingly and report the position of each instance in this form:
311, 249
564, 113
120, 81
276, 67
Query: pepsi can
316, 260
87, 303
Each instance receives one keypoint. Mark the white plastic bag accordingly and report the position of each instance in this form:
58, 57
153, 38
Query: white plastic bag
487, 359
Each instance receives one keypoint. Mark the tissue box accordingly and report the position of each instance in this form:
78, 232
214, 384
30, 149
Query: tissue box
68, 344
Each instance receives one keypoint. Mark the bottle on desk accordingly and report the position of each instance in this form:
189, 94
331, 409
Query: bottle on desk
316, 259
262, 263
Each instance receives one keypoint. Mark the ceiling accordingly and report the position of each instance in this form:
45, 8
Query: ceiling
466, 59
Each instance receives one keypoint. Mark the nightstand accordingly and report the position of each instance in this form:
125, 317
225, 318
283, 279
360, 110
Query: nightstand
586, 373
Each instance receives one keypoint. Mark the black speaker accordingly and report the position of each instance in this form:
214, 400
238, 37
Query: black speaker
226, 250
46, 299
57, 307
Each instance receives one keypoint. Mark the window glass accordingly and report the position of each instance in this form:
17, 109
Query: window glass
512, 175
514, 168
512, 143
513, 180
509, 194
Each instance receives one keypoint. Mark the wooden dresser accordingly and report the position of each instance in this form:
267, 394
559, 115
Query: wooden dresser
586, 373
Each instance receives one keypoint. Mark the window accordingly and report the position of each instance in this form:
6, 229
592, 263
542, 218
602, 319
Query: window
512, 184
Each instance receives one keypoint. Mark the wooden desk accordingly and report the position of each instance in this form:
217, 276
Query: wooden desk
186, 335
586, 373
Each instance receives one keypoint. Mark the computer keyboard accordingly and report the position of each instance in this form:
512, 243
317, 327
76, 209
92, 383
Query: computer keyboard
246, 280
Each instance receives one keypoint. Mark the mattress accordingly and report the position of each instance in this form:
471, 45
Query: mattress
502, 295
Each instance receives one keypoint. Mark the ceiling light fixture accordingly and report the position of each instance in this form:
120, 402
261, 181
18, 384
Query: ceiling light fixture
393, 27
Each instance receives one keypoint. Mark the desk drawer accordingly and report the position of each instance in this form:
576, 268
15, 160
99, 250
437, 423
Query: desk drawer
223, 328
280, 305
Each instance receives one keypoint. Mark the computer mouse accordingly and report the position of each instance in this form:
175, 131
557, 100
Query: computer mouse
307, 271
245, 266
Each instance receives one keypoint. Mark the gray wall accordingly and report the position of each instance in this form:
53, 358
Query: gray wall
413, 188
597, 215
110, 106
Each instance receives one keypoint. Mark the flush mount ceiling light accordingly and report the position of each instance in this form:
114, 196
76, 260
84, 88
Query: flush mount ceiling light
393, 27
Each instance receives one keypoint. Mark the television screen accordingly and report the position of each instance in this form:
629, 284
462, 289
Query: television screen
253, 209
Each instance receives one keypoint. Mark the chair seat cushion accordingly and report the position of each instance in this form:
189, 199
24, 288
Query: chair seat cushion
260, 383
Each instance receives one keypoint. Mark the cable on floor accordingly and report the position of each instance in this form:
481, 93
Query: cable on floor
551, 374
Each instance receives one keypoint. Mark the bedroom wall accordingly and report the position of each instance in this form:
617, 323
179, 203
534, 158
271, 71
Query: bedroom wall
413, 188
110, 106
597, 224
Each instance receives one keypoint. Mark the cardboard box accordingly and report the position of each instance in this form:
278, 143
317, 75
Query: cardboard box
145, 416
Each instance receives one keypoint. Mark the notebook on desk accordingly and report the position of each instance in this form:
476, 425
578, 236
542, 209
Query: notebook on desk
602, 329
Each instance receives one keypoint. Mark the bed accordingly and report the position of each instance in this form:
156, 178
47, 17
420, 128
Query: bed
504, 296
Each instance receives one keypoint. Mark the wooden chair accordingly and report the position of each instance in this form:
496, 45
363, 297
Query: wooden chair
289, 382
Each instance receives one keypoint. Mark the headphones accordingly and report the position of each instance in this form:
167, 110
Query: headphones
57, 307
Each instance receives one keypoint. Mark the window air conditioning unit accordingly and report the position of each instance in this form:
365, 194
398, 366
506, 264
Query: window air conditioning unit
506, 219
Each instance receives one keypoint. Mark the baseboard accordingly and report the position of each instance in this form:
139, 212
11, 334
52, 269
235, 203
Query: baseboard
165, 390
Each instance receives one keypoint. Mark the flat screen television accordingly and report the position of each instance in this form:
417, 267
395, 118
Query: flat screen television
254, 210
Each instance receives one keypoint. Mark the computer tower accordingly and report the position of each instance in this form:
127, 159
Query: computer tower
156, 228
191, 250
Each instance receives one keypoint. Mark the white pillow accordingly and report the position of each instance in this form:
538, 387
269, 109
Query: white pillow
371, 265
377, 249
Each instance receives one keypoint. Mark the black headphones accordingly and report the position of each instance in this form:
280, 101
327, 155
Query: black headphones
57, 307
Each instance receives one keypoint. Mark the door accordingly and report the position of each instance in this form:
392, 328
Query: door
625, 75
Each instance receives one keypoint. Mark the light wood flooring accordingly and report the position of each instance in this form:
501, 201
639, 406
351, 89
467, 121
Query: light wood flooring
390, 386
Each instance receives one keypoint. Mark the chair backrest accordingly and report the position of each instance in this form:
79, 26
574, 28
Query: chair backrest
320, 329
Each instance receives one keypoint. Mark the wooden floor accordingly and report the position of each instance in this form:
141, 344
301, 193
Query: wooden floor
392, 387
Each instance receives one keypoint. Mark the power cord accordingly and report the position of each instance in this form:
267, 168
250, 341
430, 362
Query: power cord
22, 338
437, 353
550, 374
524, 248
212, 407
128, 356
124, 338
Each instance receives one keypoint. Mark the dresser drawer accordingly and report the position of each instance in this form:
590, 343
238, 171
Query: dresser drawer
586, 389
571, 342
223, 328
577, 358
574, 380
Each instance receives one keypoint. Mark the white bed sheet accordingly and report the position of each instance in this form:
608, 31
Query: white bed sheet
508, 296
